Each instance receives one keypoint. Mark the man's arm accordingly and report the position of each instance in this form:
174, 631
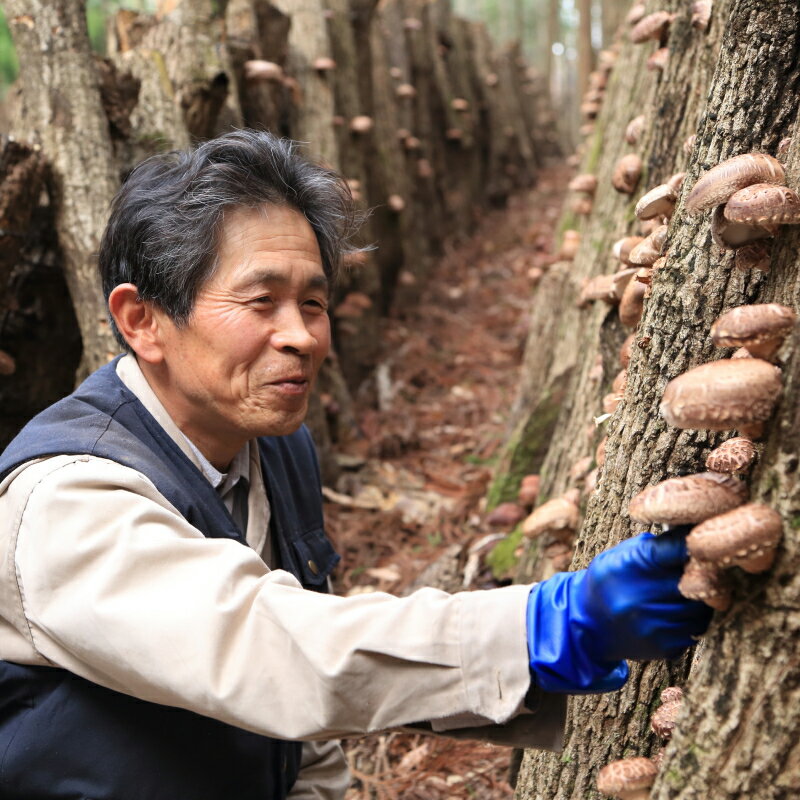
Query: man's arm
118, 588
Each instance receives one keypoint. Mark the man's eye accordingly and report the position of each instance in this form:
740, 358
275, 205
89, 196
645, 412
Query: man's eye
263, 299
316, 304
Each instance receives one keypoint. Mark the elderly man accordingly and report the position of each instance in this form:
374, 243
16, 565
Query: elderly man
165, 632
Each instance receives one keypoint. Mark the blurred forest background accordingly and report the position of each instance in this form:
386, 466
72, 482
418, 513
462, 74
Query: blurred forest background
558, 37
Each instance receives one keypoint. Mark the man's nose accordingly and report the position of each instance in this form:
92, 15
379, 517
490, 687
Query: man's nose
292, 333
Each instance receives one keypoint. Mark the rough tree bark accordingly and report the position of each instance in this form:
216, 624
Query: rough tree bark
738, 736
60, 95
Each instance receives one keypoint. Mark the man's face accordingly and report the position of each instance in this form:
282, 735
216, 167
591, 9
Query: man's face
245, 362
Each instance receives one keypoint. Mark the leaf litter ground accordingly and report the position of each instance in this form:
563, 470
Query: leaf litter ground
408, 508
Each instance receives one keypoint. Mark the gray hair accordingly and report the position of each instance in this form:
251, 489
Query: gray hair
163, 232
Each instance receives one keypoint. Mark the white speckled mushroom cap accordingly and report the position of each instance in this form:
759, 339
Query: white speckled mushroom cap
722, 395
688, 499
746, 537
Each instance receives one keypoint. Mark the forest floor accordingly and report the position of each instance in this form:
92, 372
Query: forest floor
409, 507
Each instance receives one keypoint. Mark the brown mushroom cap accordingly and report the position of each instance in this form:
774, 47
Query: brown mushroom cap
627, 172
459, 104
622, 247
761, 328
746, 537
583, 183
722, 395
755, 255
720, 182
505, 516
689, 143
631, 305
555, 516
764, 204
629, 778
662, 722
529, 490
405, 90
706, 583
687, 499
645, 253
729, 234
636, 13
324, 64
732, 457
635, 129
653, 26
658, 202
582, 205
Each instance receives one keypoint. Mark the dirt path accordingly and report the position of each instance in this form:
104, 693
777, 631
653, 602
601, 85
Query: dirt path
411, 499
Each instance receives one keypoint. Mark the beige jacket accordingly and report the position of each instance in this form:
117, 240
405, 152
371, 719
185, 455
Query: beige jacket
101, 576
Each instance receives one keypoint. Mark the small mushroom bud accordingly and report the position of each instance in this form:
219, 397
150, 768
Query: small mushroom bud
396, 203
405, 91
658, 202
636, 13
676, 181
324, 64
620, 381
611, 402
732, 457
396, 73
558, 517
259, 70
600, 452
671, 693
688, 144
764, 204
706, 583
459, 104
783, 147
631, 306
529, 490
424, 168
728, 234
755, 255
627, 173
625, 351
590, 482
761, 328
361, 124
635, 129
8, 366
658, 61
412, 143
746, 537
453, 134
720, 182
412, 24
688, 499
583, 183
662, 722
505, 516
627, 779
580, 468
570, 245
701, 14
491, 79
653, 26
722, 395
582, 206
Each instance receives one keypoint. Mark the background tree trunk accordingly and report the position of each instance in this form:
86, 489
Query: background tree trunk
60, 94
739, 723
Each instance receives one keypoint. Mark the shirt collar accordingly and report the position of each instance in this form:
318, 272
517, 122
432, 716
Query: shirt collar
130, 373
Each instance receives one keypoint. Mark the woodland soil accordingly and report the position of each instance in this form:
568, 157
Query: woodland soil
409, 507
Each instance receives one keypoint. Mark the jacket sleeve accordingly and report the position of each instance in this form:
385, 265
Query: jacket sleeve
115, 586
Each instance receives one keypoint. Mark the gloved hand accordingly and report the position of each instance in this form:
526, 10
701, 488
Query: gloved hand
625, 604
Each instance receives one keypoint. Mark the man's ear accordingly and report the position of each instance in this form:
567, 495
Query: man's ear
137, 322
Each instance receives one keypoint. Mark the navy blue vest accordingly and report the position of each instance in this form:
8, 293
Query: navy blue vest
64, 737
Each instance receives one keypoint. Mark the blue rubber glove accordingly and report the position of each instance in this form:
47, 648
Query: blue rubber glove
625, 604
